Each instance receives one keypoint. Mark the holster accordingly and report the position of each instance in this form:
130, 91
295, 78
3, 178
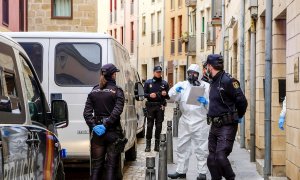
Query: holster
225, 119
119, 145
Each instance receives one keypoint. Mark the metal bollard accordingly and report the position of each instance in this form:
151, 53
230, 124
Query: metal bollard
169, 142
162, 166
175, 123
150, 171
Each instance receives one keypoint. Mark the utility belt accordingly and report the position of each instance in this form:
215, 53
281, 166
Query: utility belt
151, 104
120, 143
225, 119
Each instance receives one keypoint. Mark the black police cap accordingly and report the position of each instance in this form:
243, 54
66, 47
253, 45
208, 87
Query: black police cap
157, 68
109, 69
215, 59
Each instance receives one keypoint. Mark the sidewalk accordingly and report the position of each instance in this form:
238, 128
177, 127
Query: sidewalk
239, 158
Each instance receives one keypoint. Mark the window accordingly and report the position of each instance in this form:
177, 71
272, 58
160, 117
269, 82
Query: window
77, 64
35, 53
153, 1
173, 28
179, 26
179, 3
158, 27
21, 15
121, 35
132, 38
172, 4
115, 33
152, 30
144, 25
62, 9
34, 95
5, 12
122, 4
203, 24
10, 104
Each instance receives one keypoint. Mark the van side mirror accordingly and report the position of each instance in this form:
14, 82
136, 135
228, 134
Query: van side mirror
60, 114
139, 91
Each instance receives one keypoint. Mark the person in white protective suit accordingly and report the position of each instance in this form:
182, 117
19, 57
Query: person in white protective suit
192, 126
282, 115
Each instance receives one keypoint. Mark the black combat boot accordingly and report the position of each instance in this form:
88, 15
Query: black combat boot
177, 175
201, 177
148, 145
156, 147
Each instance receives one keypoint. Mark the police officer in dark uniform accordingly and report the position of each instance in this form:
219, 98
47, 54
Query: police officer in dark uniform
102, 112
156, 92
227, 106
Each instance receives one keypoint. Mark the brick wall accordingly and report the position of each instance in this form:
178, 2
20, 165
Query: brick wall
84, 17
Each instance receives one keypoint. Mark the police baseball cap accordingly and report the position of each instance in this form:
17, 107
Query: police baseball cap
157, 68
215, 59
109, 69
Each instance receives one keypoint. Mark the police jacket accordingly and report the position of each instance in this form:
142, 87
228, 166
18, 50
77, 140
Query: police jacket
156, 85
106, 102
226, 96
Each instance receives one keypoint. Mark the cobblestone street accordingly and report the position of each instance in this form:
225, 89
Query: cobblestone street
136, 170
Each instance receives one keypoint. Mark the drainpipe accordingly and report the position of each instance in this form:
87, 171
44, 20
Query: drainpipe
137, 37
268, 88
223, 27
242, 64
163, 37
252, 89
188, 18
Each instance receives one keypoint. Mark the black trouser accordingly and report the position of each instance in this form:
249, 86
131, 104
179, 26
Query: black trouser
102, 153
155, 114
220, 144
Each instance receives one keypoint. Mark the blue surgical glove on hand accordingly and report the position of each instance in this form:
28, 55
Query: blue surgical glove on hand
240, 120
179, 89
281, 122
202, 100
99, 129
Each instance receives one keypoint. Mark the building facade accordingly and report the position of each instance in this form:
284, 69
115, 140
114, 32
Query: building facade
63, 15
13, 15
151, 25
121, 22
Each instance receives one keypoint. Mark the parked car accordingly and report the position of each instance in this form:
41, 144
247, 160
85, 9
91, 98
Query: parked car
29, 145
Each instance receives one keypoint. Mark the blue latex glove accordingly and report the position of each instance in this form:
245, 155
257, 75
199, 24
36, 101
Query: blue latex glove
281, 122
99, 129
240, 120
179, 89
202, 100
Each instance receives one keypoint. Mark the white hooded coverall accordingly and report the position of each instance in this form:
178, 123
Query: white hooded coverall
192, 126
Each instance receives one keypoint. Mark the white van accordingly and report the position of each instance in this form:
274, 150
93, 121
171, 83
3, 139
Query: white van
68, 66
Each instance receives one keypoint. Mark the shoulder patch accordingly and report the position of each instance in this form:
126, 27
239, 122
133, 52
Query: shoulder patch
235, 84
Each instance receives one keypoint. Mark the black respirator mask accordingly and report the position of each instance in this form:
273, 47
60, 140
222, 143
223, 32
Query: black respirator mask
193, 78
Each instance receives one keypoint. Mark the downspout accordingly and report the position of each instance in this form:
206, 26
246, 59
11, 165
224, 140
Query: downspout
26, 18
252, 89
223, 27
137, 37
268, 88
188, 18
163, 37
242, 64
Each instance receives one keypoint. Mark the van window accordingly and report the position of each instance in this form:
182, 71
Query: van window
35, 53
10, 103
77, 64
34, 95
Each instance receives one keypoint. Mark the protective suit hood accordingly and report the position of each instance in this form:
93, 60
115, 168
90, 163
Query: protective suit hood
194, 67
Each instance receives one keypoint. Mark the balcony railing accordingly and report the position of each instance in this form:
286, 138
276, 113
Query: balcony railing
158, 36
179, 46
132, 47
131, 8
192, 45
173, 46
202, 41
190, 3
152, 37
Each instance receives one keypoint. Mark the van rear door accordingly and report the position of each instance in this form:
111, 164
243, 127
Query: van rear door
74, 68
